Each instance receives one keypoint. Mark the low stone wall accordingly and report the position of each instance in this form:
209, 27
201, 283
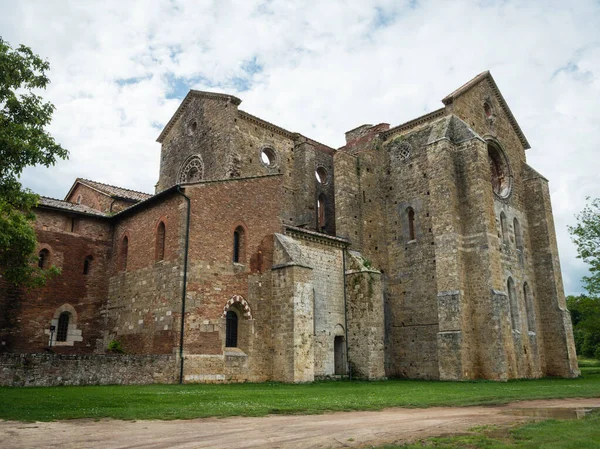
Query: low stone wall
46, 370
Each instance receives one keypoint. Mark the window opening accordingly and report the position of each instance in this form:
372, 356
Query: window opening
321, 175
63, 327
87, 265
499, 171
411, 223
503, 227
513, 303
159, 253
518, 235
43, 259
529, 307
268, 157
321, 203
239, 245
231, 329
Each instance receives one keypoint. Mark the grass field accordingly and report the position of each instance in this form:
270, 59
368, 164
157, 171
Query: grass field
549, 434
195, 401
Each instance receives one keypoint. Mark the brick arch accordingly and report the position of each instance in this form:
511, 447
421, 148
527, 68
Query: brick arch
66, 308
238, 299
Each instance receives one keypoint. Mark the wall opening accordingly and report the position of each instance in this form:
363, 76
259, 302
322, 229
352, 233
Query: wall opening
87, 265
518, 235
321, 215
231, 329
62, 330
412, 235
529, 307
239, 245
339, 356
159, 252
499, 170
503, 227
513, 304
44, 259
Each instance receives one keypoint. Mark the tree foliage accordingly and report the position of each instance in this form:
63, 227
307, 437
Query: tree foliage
585, 313
586, 235
23, 142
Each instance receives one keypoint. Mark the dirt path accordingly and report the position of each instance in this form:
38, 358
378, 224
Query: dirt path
333, 430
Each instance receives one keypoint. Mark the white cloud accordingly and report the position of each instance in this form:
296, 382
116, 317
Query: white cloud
326, 67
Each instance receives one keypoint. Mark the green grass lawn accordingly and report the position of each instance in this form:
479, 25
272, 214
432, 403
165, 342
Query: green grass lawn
549, 434
195, 401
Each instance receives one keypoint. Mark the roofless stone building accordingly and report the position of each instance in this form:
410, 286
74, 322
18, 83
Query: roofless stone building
426, 250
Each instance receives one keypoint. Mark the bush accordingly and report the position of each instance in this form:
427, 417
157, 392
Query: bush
115, 347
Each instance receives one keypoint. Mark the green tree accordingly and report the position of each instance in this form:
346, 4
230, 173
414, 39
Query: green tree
586, 235
585, 313
23, 142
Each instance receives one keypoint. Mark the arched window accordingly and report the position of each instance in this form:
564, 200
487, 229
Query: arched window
62, 330
529, 307
513, 304
231, 329
239, 245
123, 254
159, 251
192, 170
87, 264
518, 235
411, 223
321, 205
44, 259
503, 227
499, 170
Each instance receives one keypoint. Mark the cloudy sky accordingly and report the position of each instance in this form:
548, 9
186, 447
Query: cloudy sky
119, 69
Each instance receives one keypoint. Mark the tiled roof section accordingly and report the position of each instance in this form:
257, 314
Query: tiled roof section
70, 207
114, 191
448, 99
186, 101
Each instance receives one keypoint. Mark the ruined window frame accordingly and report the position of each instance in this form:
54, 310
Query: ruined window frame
44, 259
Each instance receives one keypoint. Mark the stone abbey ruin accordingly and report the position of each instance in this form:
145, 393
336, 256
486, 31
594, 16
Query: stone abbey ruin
425, 250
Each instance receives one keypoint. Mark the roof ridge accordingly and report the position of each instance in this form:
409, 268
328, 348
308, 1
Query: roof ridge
113, 186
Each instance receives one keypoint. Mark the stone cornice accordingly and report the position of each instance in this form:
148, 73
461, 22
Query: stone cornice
414, 123
268, 125
315, 236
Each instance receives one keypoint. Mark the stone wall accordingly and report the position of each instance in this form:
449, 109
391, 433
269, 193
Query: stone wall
49, 370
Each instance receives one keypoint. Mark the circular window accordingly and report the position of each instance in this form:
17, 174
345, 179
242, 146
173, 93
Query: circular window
499, 170
321, 175
192, 170
268, 157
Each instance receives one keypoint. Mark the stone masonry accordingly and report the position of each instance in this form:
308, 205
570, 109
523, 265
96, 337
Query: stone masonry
426, 250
